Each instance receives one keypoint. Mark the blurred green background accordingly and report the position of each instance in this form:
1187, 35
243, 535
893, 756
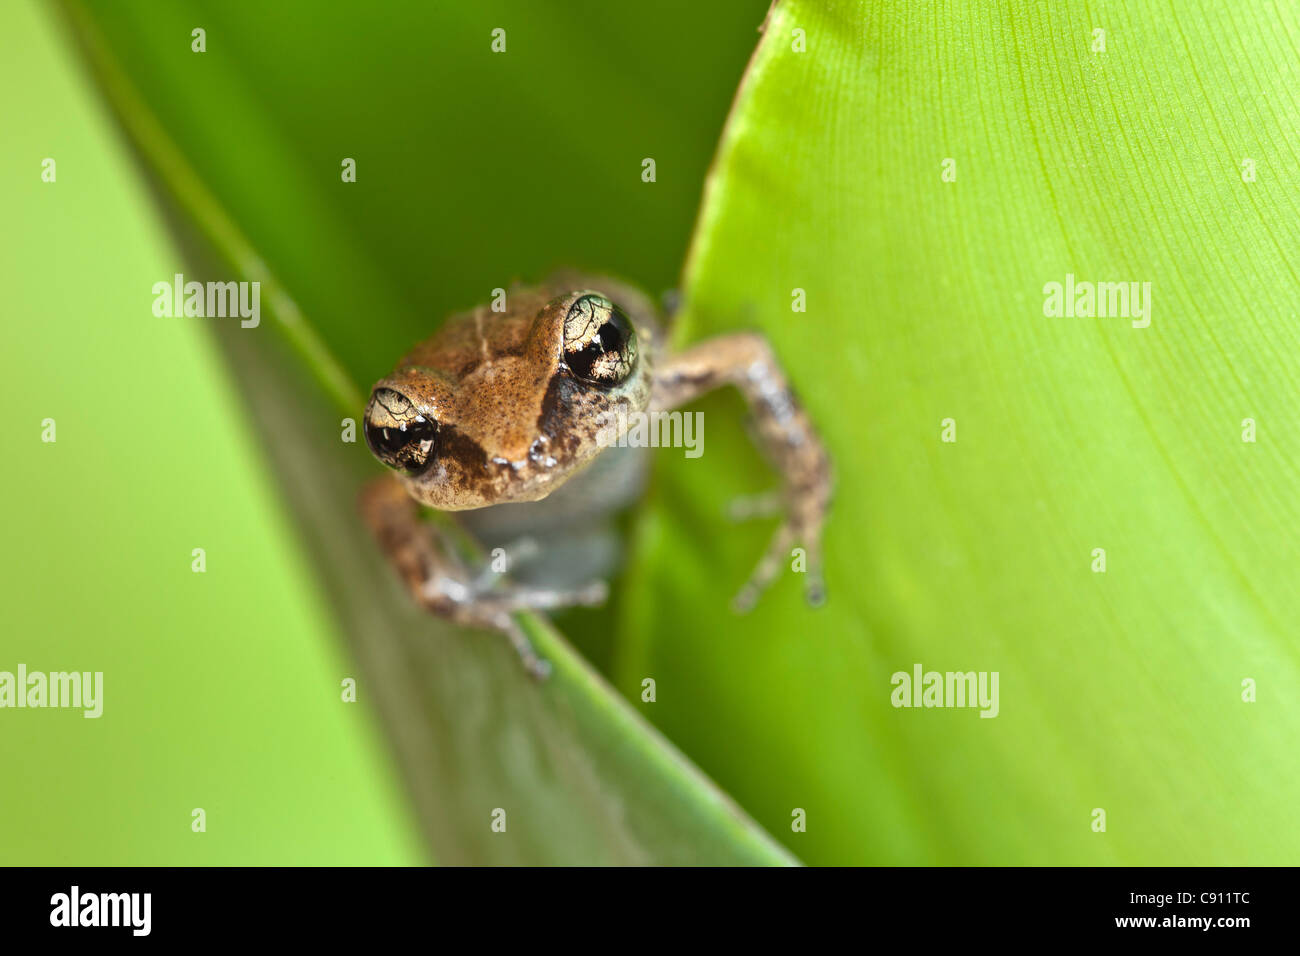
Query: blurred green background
221, 689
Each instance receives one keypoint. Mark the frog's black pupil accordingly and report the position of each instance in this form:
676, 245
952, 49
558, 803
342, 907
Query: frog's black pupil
614, 336
402, 448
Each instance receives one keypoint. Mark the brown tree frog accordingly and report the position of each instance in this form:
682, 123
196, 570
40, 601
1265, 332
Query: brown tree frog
499, 417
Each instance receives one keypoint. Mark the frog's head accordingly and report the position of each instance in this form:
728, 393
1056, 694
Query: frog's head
505, 406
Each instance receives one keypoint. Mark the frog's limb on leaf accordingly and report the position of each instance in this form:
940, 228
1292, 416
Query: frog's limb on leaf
510, 418
746, 360
427, 564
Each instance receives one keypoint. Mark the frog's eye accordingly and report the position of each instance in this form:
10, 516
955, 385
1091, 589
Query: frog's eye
599, 341
397, 433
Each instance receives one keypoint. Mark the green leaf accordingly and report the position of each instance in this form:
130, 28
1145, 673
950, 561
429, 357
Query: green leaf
925, 301
472, 170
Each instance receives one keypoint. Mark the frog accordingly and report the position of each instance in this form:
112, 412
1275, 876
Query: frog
508, 419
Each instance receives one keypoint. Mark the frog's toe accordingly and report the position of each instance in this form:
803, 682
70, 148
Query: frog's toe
538, 668
814, 591
749, 507
670, 300
592, 594
766, 571
745, 600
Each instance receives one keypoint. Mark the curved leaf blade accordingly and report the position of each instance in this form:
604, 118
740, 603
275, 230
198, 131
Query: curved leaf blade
1120, 691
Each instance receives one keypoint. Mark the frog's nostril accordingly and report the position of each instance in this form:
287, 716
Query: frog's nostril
397, 433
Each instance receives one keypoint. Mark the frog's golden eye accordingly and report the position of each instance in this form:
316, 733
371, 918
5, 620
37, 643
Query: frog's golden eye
599, 341
398, 435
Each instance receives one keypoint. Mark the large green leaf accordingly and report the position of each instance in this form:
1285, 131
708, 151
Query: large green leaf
1119, 690
221, 689
473, 169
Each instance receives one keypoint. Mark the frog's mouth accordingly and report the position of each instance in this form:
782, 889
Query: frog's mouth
461, 476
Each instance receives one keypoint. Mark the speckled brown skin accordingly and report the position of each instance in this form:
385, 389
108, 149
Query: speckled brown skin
515, 420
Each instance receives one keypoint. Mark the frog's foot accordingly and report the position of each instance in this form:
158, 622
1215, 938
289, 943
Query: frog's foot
510, 598
425, 561
766, 505
494, 608
538, 667
780, 550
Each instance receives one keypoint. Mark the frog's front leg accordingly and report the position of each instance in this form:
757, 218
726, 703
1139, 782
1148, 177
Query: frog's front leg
746, 360
426, 562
